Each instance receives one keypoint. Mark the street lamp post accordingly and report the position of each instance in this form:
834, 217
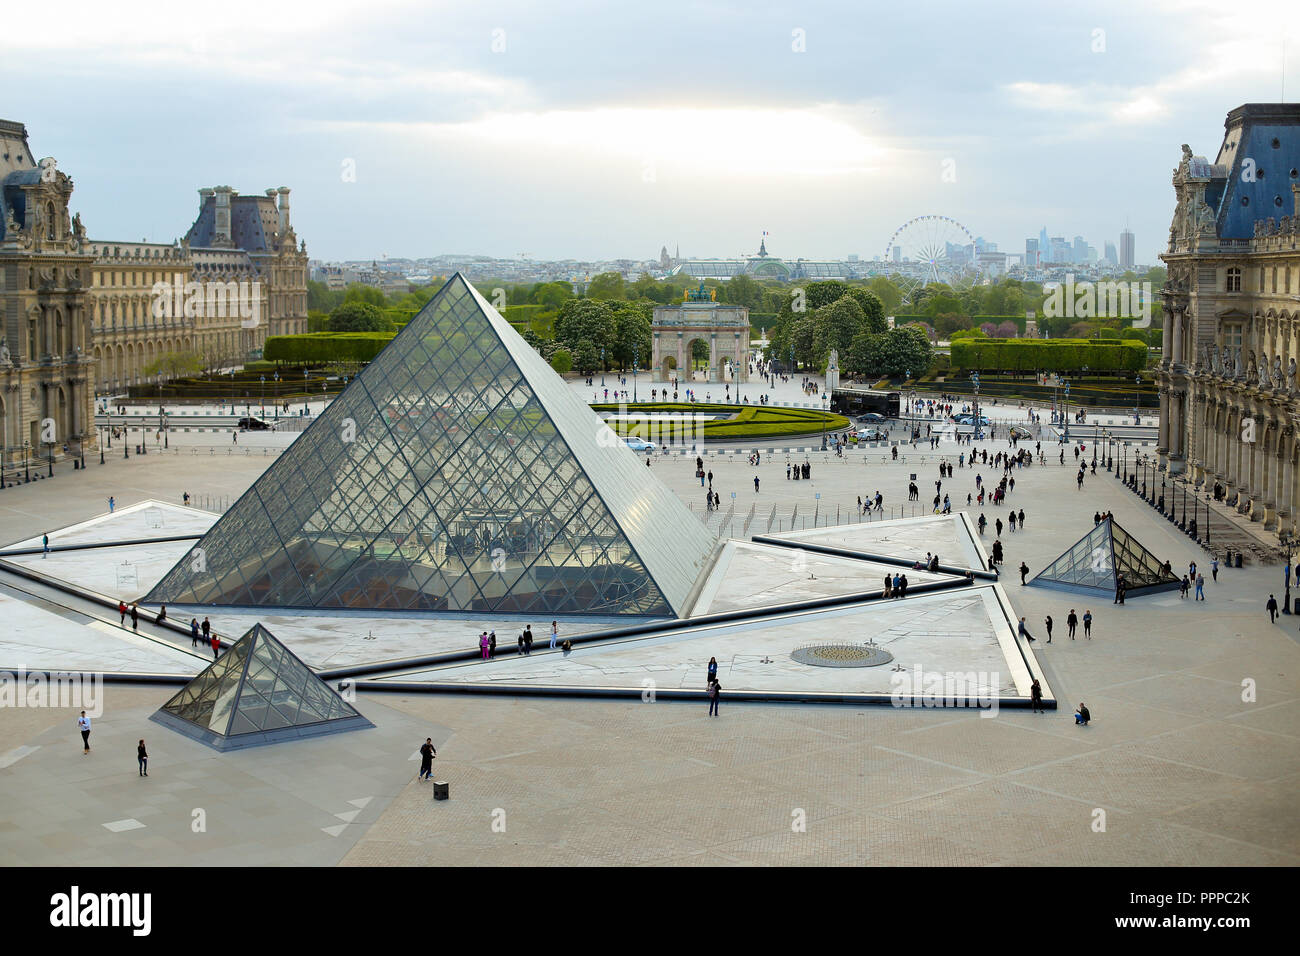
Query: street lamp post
304, 391
636, 357
602, 368
1288, 543
263, 378
51, 458
27, 471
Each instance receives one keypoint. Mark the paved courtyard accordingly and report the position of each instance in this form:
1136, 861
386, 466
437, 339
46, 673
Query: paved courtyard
1193, 752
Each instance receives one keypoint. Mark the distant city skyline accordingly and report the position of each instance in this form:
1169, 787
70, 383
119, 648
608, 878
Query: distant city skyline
597, 132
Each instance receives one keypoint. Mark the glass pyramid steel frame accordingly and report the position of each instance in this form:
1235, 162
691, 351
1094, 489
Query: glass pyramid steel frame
457, 472
257, 693
1095, 562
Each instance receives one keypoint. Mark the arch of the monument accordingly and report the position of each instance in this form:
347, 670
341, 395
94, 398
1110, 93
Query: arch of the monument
724, 328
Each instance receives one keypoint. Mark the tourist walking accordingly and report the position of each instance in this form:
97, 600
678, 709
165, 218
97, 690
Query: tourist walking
715, 693
1272, 609
83, 724
111, 504
427, 753
121, 609
1048, 624
1024, 569
555, 634
483, 645
1072, 622
1036, 697
135, 618
528, 640
194, 632
142, 758
1200, 587
1214, 569
207, 630
1087, 624
713, 671
216, 646
45, 545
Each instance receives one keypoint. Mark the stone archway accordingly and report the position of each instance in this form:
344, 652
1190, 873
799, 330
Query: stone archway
724, 327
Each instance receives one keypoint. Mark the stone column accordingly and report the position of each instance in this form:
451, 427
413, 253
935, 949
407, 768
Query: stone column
1166, 412
714, 377
1178, 339
1166, 350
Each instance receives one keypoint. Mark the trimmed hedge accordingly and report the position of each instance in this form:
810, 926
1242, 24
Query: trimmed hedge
1053, 355
326, 347
746, 421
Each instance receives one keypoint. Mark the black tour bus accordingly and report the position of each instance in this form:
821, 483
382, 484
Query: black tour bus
851, 401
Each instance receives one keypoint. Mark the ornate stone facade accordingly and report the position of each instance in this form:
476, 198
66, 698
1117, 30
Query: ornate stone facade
242, 247
1228, 396
46, 368
724, 327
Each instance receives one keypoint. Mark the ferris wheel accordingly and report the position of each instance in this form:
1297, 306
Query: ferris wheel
930, 249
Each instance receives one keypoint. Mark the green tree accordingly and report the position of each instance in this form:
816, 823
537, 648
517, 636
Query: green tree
172, 365
823, 293
552, 295
873, 310
357, 292
562, 360
321, 299
356, 316
585, 357
835, 325
891, 297
742, 290
607, 286
588, 319
631, 334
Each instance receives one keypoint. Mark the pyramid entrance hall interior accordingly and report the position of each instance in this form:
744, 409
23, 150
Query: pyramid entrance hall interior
456, 546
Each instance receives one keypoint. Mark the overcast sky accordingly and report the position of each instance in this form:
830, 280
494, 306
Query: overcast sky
589, 131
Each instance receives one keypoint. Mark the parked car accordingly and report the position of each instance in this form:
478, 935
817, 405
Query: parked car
968, 419
870, 418
868, 434
252, 423
639, 444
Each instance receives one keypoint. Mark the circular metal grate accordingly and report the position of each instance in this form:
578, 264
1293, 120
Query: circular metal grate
842, 655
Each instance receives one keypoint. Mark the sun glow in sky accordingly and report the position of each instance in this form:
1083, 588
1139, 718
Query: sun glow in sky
588, 130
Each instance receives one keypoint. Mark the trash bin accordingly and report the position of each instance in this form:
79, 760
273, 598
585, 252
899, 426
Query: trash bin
440, 790
1238, 564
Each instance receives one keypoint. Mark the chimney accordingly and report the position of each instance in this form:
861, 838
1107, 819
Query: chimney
221, 237
284, 209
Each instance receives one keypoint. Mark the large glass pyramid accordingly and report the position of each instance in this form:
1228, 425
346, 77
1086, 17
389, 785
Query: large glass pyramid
258, 692
1096, 561
457, 472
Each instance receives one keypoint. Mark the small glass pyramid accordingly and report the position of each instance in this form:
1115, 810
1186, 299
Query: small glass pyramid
258, 692
457, 472
1096, 561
